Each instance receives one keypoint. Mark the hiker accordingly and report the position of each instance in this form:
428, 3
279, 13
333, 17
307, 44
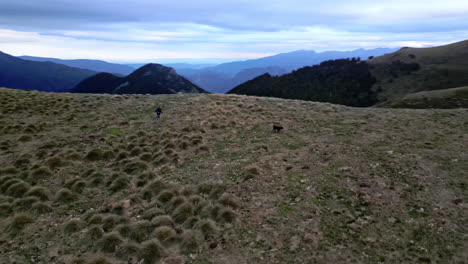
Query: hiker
158, 112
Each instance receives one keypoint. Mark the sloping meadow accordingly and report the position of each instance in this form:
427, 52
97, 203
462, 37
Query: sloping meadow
97, 179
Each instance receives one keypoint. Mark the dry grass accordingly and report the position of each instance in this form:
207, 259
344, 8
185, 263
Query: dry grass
340, 185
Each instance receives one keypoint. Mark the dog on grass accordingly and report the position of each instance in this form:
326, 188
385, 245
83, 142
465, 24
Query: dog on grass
277, 129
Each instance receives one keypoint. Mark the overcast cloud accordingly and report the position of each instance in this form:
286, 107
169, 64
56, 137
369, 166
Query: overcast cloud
151, 30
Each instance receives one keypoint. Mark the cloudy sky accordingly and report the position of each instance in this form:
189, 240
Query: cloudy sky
159, 30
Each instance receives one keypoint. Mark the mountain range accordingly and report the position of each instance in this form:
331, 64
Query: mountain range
365, 83
43, 76
149, 79
223, 77
93, 65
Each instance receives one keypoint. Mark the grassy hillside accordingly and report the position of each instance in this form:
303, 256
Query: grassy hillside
95, 179
439, 68
442, 99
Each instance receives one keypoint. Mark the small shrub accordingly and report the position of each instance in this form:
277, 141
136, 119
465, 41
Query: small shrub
74, 226
39, 192
162, 220
94, 233
191, 241
182, 212
64, 195
164, 233
151, 251
109, 242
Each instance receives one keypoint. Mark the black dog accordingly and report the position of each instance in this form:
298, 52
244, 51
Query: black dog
277, 128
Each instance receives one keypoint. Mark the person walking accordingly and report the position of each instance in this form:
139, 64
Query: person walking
158, 113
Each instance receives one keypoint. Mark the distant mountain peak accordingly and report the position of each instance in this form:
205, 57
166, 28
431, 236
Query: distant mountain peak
148, 79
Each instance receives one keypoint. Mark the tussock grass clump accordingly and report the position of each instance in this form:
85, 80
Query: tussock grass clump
109, 242
183, 212
73, 226
141, 230
251, 172
191, 241
119, 183
228, 200
109, 222
78, 186
9, 182
54, 163
152, 251
94, 155
189, 190
175, 202
164, 233
162, 220
19, 221
214, 190
5, 209
165, 196
25, 138
18, 189
151, 213
40, 173
99, 260
128, 250
208, 227
122, 155
123, 229
108, 155
69, 183
94, 233
24, 203
135, 167
146, 157
41, 208
202, 149
135, 152
160, 161
64, 195
4, 179
40, 192
95, 219
226, 215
